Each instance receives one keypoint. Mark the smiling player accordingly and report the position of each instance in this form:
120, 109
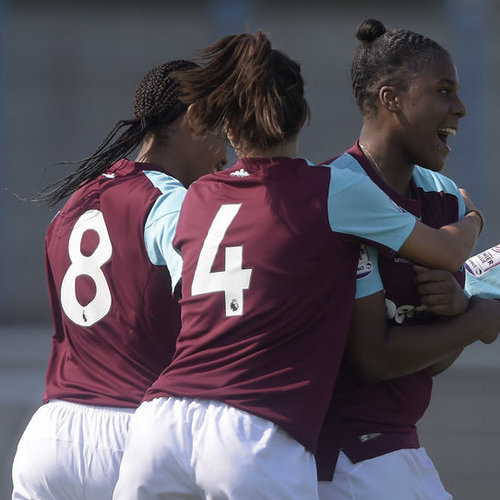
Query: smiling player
406, 87
267, 291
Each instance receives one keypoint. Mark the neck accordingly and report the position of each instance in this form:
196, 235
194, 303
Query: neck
386, 160
164, 157
169, 151
287, 148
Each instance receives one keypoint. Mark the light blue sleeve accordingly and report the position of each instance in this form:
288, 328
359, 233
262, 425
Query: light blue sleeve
431, 181
482, 274
368, 280
161, 224
357, 206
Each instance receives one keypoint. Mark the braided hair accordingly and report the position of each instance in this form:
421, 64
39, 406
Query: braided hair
156, 104
388, 57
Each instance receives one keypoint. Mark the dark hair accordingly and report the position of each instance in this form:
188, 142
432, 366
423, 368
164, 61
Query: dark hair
156, 105
244, 83
388, 57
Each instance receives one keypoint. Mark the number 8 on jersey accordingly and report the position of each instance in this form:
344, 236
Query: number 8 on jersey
90, 266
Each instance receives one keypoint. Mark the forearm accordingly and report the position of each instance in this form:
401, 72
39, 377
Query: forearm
445, 248
408, 349
462, 235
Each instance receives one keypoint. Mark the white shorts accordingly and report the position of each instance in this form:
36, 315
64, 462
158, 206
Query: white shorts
182, 448
403, 474
70, 451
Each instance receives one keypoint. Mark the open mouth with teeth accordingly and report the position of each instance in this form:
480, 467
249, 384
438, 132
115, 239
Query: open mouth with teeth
443, 133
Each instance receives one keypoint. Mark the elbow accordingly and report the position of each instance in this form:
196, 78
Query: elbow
455, 261
455, 254
453, 267
450, 259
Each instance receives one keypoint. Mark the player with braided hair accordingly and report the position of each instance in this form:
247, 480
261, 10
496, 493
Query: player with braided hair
111, 269
406, 87
156, 105
270, 248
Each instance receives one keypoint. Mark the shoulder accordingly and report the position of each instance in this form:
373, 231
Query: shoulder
434, 181
164, 182
348, 175
346, 163
171, 194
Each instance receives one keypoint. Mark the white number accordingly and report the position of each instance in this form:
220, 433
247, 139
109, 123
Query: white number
99, 306
234, 279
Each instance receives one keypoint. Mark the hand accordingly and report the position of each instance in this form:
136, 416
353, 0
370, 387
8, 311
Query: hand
490, 316
440, 291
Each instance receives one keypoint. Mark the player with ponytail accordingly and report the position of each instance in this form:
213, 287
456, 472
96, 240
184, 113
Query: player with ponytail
270, 249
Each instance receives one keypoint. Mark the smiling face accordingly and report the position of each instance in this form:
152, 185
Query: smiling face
429, 112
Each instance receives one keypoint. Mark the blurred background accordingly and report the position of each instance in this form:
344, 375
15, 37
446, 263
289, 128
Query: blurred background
68, 72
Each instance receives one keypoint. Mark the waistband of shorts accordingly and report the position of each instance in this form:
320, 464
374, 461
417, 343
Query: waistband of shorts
91, 408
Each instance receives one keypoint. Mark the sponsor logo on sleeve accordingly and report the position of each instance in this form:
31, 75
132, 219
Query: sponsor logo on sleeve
365, 265
484, 261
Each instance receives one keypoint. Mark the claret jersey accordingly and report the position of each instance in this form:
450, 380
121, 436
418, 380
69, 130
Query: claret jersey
368, 420
268, 285
110, 267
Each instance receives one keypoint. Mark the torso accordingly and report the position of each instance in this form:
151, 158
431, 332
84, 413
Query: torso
370, 420
242, 336
266, 335
115, 318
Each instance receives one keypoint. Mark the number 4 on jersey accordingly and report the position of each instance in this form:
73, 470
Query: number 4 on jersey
234, 279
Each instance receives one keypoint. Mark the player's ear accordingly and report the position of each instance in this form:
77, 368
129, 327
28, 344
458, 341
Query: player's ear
232, 135
388, 98
189, 118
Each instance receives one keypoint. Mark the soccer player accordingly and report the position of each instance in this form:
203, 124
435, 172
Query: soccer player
268, 286
406, 88
111, 268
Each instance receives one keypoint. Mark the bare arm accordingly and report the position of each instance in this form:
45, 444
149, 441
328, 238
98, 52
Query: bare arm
448, 247
445, 248
380, 353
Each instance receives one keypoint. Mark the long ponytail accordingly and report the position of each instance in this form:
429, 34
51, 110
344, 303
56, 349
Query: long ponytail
243, 83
